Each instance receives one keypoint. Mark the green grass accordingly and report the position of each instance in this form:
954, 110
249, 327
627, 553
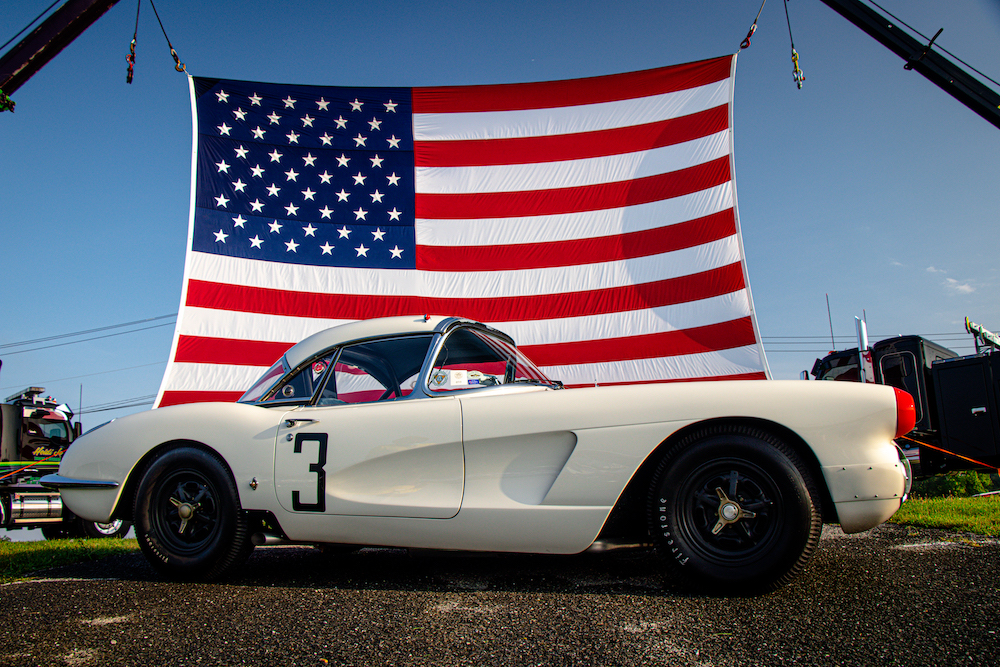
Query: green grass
973, 515
18, 559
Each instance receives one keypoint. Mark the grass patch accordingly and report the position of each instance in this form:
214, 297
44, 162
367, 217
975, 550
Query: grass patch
17, 559
972, 515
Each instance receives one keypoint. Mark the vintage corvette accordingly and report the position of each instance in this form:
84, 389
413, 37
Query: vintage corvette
437, 432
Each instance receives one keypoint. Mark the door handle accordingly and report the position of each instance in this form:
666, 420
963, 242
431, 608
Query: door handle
291, 423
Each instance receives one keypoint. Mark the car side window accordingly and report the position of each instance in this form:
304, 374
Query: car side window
381, 370
301, 385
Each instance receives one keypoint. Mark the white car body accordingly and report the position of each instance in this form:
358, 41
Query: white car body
512, 467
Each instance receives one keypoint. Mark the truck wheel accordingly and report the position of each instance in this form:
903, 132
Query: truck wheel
188, 519
56, 531
734, 510
116, 528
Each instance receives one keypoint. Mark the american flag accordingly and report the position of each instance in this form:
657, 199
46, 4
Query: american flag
592, 219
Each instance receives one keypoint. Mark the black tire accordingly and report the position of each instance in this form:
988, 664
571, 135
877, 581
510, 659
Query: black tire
188, 518
55, 531
734, 510
115, 528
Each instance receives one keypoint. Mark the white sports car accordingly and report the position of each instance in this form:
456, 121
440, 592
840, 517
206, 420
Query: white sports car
436, 432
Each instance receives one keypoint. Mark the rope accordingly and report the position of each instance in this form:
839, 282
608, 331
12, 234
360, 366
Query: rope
745, 44
797, 76
25, 28
32, 465
178, 65
945, 451
130, 58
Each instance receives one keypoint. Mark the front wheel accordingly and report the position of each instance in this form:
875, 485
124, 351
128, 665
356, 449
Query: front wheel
734, 510
188, 519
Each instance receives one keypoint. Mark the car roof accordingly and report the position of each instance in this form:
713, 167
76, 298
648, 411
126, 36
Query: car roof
364, 329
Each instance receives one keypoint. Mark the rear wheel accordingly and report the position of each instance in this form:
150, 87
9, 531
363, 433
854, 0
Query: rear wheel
734, 509
188, 519
115, 528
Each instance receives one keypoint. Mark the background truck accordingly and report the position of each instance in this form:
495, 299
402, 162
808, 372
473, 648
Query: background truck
957, 398
34, 433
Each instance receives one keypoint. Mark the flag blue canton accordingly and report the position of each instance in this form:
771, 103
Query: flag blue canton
305, 174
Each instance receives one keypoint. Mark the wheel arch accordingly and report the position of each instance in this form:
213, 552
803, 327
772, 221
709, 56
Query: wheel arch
627, 519
126, 500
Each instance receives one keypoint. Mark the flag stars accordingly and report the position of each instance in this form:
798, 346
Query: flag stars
326, 212
377, 197
362, 250
257, 205
394, 214
359, 178
289, 102
360, 214
377, 161
326, 139
273, 190
275, 156
240, 114
309, 230
224, 129
256, 241
359, 140
390, 106
274, 118
223, 167
291, 175
293, 138
322, 104
393, 179
341, 123
257, 171
356, 105
393, 141
344, 232
258, 132
275, 227
343, 195
292, 209
397, 252
239, 221
375, 124
239, 185
378, 234
307, 121
327, 248
241, 152
221, 236
308, 194
343, 160
325, 177
221, 201
291, 246
309, 160
223, 96
255, 100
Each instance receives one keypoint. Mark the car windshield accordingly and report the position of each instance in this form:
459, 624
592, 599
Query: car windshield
266, 381
471, 359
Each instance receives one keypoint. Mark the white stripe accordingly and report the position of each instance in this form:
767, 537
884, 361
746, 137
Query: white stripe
572, 173
204, 322
568, 120
736, 361
570, 226
210, 377
483, 284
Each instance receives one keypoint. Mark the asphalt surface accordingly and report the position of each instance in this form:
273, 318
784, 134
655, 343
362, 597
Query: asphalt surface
892, 596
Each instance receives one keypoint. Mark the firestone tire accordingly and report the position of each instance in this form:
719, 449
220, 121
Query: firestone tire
734, 510
188, 519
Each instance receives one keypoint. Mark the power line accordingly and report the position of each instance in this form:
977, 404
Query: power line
87, 375
85, 332
84, 340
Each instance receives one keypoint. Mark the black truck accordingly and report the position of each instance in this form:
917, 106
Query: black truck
34, 432
957, 397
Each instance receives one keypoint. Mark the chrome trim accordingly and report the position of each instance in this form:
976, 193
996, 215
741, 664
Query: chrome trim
59, 482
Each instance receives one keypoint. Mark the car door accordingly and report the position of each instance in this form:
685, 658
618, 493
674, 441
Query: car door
390, 458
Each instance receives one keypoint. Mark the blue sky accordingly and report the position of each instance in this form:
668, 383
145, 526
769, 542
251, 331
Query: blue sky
869, 184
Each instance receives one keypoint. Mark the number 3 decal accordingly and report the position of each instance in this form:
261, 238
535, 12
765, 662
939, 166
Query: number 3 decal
317, 467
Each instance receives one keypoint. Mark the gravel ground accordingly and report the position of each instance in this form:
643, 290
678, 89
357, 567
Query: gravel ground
891, 596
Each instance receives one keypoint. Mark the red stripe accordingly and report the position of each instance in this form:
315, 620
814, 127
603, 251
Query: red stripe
179, 397
556, 148
683, 289
709, 338
550, 94
578, 251
556, 201
231, 351
758, 375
